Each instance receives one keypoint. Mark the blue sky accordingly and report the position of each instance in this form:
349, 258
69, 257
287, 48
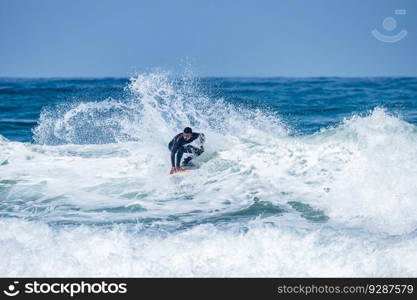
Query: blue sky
57, 38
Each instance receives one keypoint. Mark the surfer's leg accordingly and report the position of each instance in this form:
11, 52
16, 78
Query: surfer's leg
193, 150
199, 151
187, 160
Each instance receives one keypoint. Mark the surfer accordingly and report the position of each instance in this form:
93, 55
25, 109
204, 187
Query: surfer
178, 146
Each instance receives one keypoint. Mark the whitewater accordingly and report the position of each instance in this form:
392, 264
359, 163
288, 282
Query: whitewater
91, 194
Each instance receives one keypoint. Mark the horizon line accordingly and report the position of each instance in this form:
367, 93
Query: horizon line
205, 76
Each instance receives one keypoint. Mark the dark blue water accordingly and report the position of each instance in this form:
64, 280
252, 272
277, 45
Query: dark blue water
304, 104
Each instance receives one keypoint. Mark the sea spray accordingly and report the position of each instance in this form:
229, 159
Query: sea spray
93, 195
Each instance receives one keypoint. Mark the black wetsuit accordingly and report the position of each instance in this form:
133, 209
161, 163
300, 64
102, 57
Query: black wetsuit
177, 146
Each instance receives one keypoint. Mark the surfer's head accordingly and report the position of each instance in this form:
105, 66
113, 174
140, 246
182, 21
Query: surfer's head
187, 134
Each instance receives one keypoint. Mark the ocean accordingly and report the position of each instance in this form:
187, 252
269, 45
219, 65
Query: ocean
300, 177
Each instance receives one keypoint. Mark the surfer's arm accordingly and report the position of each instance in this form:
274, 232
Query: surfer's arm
202, 139
174, 157
173, 152
173, 168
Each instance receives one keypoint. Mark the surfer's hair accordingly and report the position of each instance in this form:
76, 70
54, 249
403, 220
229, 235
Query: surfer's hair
188, 130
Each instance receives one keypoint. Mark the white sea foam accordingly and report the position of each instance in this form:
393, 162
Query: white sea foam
341, 202
204, 251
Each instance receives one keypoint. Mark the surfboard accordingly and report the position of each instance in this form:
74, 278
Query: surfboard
185, 170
